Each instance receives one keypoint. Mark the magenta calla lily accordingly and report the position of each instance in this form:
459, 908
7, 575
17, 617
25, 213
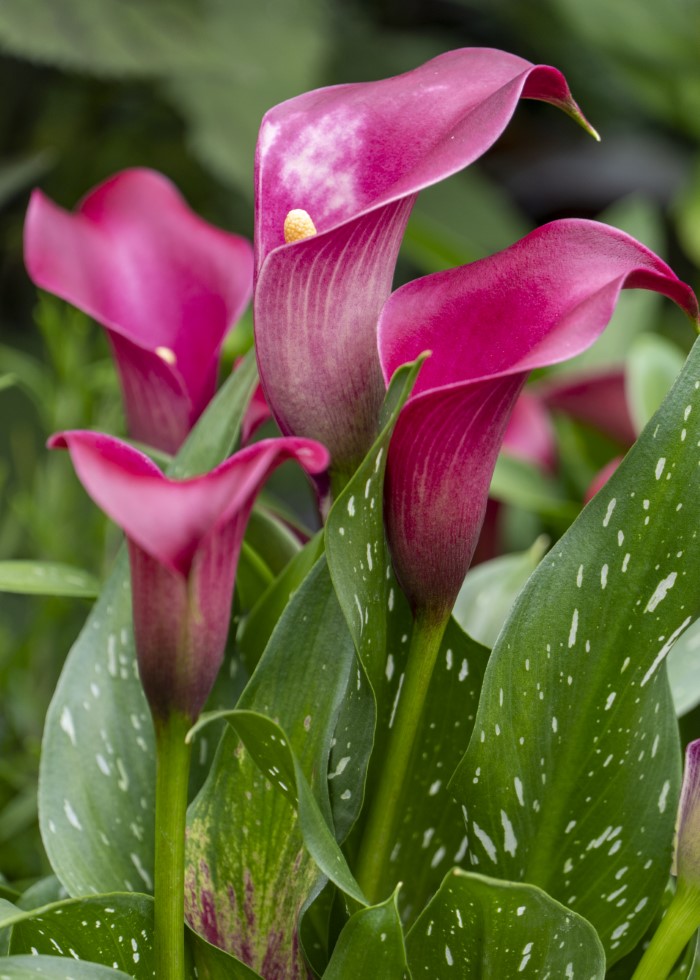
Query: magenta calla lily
353, 157
488, 325
686, 861
166, 285
184, 540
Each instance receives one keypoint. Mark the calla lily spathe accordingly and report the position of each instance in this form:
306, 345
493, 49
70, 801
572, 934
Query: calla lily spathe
165, 284
348, 161
184, 540
488, 325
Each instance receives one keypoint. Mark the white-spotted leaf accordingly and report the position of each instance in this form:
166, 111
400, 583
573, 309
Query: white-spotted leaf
477, 928
572, 774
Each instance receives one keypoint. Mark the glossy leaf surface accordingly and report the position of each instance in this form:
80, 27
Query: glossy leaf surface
114, 930
268, 746
477, 928
370, 945
249, 874
572, 774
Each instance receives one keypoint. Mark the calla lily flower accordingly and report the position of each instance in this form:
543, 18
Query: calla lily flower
686, 861
184, 539
166, 285
337, 172
488, 325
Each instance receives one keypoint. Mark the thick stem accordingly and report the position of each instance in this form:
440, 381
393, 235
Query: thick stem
677, 927
172, 775
381, 827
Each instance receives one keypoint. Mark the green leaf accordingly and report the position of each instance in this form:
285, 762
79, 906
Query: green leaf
96, 792
653, 364
683, 667
431, 833
212, 963
55, 968
480, 928
256, 628
490, 589
248, 873
272, 539
253, 577
96, 787
217, 431
355, 544
47, 578
431, 836
269, 748
370, 945
114, 930
571, 778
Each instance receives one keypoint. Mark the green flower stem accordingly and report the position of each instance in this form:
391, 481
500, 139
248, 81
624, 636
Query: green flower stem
380, 830
677, 927
172, 776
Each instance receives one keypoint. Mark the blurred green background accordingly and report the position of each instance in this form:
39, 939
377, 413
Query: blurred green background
92, 86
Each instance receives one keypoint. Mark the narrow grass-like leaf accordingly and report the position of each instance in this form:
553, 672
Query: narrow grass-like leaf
47, 578
477, 928
269, 747
256, 628
571, 778
249, 875
370, 945
97, 775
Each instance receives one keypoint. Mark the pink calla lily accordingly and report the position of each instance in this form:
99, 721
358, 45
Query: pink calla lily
347, 162
488, 325
184, 540
166, 285
686, 859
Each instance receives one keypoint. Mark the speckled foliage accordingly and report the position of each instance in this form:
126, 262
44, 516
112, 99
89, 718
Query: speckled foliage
572, 776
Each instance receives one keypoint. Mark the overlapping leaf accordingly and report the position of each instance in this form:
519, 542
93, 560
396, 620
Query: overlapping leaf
249, 875
370, 945
571, 778
477, 928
